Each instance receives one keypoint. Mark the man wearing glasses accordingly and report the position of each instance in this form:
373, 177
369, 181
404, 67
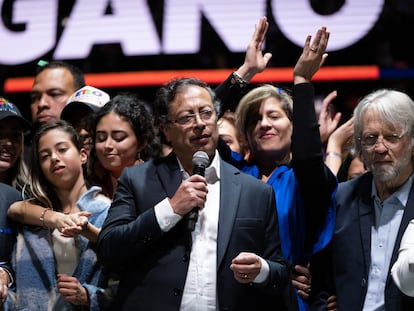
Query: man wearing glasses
373, 210
231, 259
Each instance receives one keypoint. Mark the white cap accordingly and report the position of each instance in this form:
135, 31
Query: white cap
88, 95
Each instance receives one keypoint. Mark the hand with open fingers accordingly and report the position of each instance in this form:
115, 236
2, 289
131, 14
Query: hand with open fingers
312, 58
255, 61
342, 137
246, 266
328, 118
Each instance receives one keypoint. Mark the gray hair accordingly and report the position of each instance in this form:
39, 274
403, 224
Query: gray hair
394, 107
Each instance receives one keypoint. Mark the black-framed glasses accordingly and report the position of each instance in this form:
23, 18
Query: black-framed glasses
188, 118
389, 141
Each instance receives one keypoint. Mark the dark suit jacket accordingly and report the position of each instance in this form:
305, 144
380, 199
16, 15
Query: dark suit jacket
153, 264
8, 195
349, 253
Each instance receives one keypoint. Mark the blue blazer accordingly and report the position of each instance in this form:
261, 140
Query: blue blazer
153, 264
343, 267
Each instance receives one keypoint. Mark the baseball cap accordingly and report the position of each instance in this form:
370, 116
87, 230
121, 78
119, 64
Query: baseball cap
8, 109
87, 96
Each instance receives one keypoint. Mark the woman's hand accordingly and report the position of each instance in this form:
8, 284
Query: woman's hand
312, 58
71, 224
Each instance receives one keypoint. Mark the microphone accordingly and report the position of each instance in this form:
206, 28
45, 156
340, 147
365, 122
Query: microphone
200, 162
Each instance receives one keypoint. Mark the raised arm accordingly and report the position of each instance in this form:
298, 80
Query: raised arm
307, 156
255, 61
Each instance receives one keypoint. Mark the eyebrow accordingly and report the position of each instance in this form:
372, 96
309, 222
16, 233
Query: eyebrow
55, 145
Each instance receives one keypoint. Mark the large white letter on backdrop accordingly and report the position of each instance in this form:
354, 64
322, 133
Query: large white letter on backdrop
233, 21
39, 19
130, 24
296, 19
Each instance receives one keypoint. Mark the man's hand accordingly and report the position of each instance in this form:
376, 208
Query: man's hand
192, 192
71, 290
301, 280
246, 267
4, 285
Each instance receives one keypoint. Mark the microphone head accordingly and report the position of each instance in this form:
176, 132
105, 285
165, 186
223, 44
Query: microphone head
200, 158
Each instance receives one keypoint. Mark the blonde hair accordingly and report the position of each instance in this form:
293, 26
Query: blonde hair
253, 99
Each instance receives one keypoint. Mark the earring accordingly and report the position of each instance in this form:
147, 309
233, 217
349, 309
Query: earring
138, 159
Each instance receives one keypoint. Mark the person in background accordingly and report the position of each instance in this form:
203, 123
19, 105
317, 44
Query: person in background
373, 211
12, 129
338, 145
340, 154
231, 135
54, 83
328, 116
54, 270
123, 133
351, 166
8, 195
80, 109
13, 175
231, 260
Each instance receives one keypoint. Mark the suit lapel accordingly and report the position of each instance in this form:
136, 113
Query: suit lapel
366, 216
366, 219
229, 199
170, 174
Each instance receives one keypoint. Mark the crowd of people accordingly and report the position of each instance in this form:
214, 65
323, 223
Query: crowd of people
293, 210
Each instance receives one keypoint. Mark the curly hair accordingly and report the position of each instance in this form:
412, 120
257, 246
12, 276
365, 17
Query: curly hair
134, 111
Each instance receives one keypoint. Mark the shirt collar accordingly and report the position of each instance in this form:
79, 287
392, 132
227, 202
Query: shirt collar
212, 172
401, 194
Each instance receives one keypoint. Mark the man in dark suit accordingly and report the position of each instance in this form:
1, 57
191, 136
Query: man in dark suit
373, 211
8, 195
231, 260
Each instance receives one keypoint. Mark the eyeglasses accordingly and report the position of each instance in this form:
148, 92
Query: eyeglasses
389, 141
204, 115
